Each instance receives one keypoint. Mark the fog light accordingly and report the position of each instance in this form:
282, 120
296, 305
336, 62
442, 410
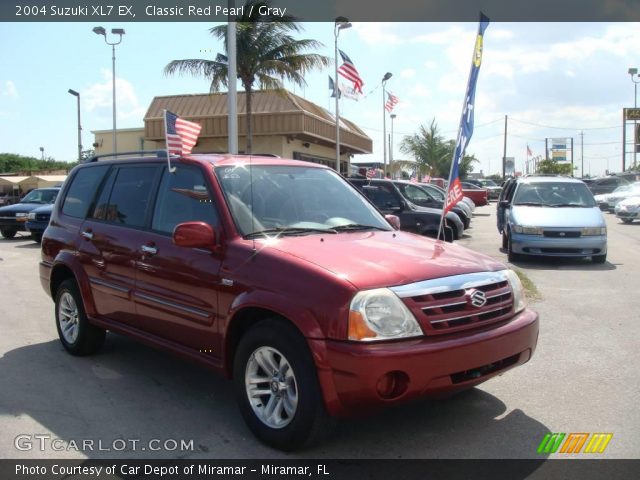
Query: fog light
392, 385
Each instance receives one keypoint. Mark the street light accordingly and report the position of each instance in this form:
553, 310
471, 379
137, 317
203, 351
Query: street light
393, 117
386, 77
632, 72
341, 24
119, 32
77, 95
42, 152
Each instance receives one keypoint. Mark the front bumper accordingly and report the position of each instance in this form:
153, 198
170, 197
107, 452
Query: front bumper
351, 374
10, 223
558, 247
628, 215
36, 227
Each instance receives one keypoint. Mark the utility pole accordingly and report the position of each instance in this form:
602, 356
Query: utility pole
504, 151
572, 156
582, 154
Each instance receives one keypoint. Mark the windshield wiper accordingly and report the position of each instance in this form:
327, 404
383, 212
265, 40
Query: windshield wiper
578, 205
357, 226
530, 204
288, 231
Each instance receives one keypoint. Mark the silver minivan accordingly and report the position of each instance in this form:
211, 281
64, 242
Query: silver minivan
552, 216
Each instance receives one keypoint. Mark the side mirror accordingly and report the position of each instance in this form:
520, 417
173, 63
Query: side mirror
194, 235
393, 220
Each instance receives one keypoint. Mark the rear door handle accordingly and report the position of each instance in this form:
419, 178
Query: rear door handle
148, 249
87, 234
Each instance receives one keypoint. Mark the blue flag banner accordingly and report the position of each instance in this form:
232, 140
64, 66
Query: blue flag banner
454, 193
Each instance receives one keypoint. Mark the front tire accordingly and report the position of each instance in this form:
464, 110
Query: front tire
599, 258
36, 237
8, 233
77, 335
277, 387
627, 220
511, 255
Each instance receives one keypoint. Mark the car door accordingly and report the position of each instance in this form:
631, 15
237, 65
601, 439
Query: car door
111, 235
176, 293
504, 202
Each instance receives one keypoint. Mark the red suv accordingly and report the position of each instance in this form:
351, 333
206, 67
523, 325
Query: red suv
280, 275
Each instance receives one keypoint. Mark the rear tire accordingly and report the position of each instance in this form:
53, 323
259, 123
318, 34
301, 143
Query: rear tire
505, 241
8, 233
77, 335
277, 387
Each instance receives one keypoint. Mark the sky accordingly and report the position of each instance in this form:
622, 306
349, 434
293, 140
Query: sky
552, 81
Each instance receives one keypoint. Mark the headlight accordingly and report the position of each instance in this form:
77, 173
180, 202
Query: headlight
519, 301
31, 216
380, 315
527, 230
21, 214
589, 231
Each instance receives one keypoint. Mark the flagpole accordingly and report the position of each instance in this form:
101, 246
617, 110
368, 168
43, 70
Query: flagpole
340, 24
166, 143
462, 112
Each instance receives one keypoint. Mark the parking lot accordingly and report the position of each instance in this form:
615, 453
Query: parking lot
583, 378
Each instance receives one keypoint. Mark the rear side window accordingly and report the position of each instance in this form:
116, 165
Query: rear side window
81, 191
183, 197
130, 196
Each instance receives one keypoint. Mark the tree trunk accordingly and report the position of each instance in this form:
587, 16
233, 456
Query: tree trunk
249, 119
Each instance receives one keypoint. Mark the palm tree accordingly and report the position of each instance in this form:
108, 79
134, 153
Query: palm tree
266, 53
429, 149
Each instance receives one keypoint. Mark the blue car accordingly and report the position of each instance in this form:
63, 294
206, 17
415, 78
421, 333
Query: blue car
38, 220
551, 216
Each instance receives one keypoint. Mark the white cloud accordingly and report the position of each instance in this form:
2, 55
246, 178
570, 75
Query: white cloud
99, 96
430, 64
421, 91
10, 89
408, 73
375, 33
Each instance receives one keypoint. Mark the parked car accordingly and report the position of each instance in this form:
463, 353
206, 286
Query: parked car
14, 217
38, 220
628, 210
440, 193
606, 184
493, 189
480, 196
422, 220
420, 196
610, 200
551, 216
280, 275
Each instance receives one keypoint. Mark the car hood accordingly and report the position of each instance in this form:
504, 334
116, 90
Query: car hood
568, 217
44, 209
20, 208
631, 201
382, 259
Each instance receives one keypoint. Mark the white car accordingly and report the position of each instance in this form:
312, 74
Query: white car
608, 201
628, 210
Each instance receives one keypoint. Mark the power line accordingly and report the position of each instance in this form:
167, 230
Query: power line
565, 128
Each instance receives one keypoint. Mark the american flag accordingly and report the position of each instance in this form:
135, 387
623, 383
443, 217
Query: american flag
392, 101
529, 152
348, 71
181, 135
371, 173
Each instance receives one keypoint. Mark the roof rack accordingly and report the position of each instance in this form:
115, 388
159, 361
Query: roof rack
139, 153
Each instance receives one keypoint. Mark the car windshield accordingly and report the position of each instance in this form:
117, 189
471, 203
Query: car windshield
488, 183
40, 196
554, 194
623, 188
294, 200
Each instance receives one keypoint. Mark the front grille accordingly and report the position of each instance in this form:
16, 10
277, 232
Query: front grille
561, 234
447, 306
43, 217
483, 371
7, 215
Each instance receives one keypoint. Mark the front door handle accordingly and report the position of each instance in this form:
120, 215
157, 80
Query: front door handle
148, 249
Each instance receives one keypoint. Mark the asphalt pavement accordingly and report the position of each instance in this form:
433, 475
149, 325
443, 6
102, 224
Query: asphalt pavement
131, 401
